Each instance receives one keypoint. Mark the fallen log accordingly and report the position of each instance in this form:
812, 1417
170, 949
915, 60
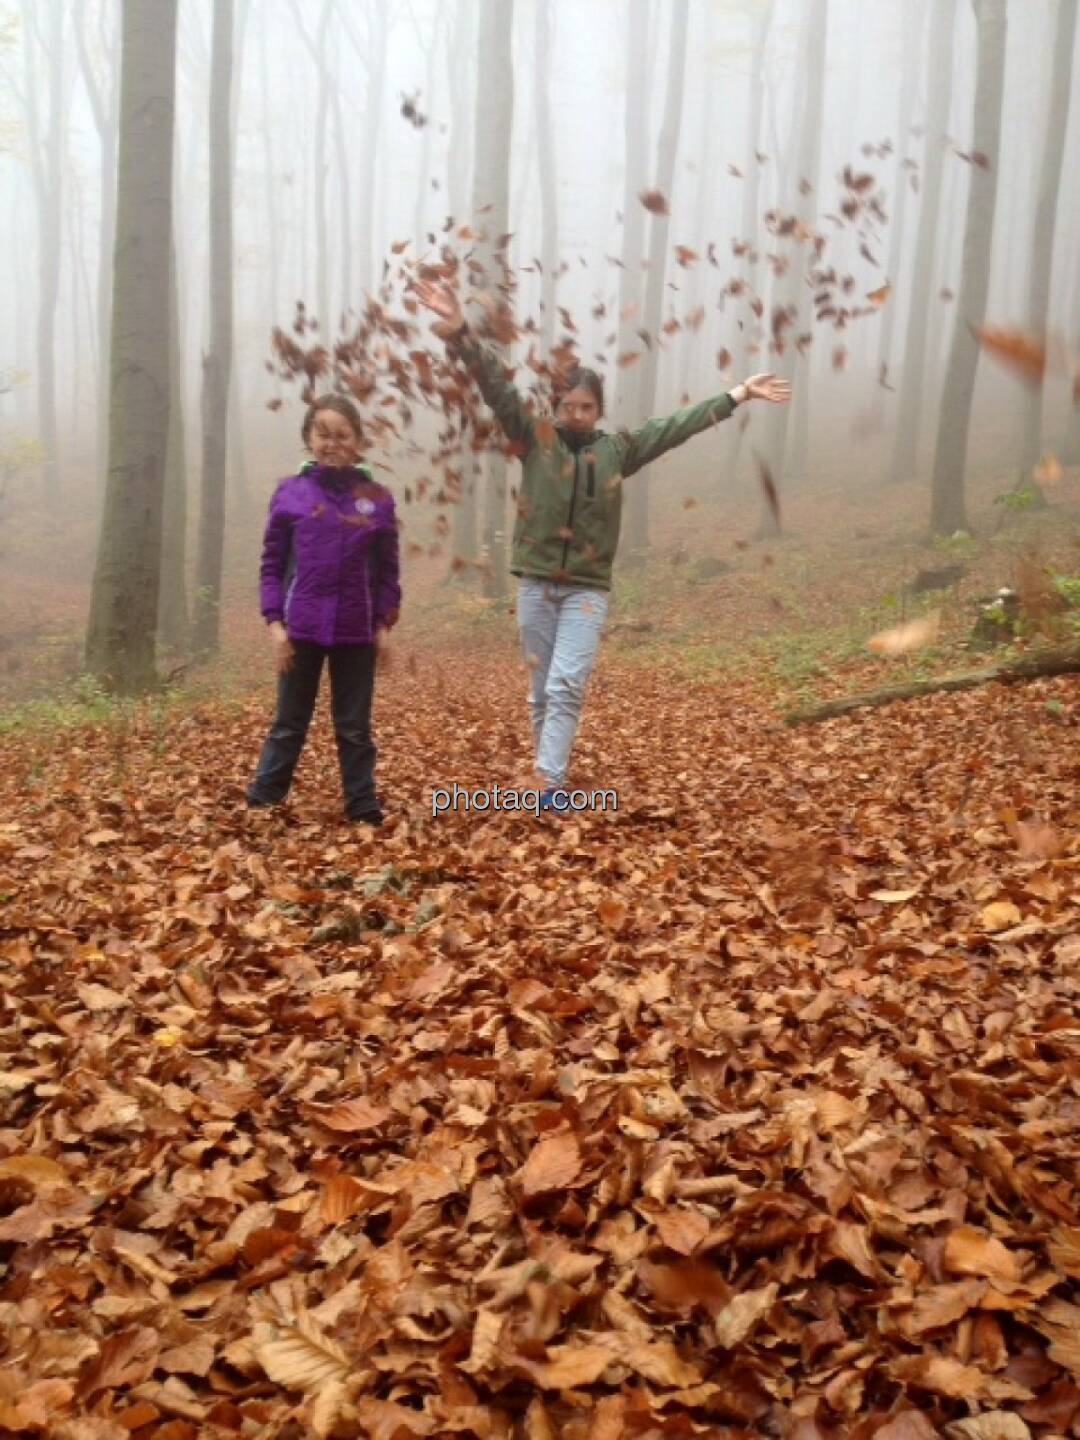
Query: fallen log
1062, 660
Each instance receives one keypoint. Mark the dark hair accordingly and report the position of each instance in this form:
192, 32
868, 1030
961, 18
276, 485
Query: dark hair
339, 403
583, 379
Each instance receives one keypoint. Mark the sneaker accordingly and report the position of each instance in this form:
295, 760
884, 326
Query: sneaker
374, 818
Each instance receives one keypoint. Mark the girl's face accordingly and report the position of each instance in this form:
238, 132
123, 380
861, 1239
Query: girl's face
578, 410
333, 440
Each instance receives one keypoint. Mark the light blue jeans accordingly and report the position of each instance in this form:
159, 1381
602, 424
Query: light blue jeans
560, 629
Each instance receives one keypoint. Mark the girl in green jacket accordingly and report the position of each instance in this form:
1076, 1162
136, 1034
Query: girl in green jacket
567, 527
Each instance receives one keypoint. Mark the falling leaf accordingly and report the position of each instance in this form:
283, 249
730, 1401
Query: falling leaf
654, 202
768, 489
1020, 351
878, 297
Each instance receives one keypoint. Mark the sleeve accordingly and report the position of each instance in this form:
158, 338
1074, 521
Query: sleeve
388, 576
500, 393
277, 543
656, 437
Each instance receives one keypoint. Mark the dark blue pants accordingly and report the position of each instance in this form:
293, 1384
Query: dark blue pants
352, 682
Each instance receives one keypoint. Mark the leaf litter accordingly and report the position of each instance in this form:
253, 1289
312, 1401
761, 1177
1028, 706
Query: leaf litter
751, 1107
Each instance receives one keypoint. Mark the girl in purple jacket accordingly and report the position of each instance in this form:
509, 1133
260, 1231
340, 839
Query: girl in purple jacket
329, 590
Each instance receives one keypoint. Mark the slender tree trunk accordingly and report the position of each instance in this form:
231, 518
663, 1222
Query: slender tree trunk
948, 512
491, 188
271, 171
659, 228
742, 342
423, 189
123, 608
461, 63
104, 105
693, 288
790, 423
631, 278
923, 301
173, 622
373, 54
1042, 239
545, 151
46, 138
909, 73
217, 363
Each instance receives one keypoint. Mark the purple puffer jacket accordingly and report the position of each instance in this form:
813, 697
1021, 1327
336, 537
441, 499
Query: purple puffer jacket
330, 560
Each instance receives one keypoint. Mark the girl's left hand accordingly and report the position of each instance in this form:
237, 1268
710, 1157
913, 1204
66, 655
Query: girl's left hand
382, 646
768, 387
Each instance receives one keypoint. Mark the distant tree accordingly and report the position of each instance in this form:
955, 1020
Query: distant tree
637, 500
99, 64
217, 362
1046, 209
922, 297
948, 512
491, 204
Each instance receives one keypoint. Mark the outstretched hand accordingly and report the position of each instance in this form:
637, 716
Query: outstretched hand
768, 387
442, 301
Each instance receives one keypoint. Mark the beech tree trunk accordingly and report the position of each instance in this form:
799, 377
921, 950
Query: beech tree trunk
948, 511
124, 601
217, 362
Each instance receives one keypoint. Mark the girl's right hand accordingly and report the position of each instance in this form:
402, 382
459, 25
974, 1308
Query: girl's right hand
284, 653
442, 301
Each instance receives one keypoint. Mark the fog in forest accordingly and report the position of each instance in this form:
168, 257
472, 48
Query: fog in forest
845, 192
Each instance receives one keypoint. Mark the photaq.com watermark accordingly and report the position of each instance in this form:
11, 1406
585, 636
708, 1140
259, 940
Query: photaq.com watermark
563, 802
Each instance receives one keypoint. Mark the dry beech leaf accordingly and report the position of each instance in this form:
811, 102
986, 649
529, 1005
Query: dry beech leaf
352, 1117
298, 1355
743, 1312
567, 1366
990, 1425
969, 1252
1000, 915
682, 1230
554, 1163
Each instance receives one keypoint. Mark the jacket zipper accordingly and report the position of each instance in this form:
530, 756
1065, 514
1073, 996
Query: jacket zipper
590, 471
570, 516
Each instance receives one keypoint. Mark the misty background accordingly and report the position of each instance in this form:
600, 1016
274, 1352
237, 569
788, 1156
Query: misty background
363, 134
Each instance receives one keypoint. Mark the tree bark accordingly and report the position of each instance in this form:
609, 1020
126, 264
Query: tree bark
948, 511
173, 622
104, 105
217, 362
46, 141
491, 188
545, 152
1064, 660
123, 608
806, 151
1042, 239
922, 301
461, 60
637, 501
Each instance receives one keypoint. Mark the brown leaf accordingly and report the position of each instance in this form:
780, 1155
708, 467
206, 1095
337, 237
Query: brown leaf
682, 1230
554, 1163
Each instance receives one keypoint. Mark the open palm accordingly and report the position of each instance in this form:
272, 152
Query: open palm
440, 300
768, 387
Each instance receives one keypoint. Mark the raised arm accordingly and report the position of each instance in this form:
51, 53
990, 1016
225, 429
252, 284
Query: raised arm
656, 437
500, 393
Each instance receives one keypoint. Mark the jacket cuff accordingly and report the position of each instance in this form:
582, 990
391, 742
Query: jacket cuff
271, 615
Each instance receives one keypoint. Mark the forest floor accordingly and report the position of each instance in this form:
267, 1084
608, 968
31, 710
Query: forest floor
751, 1106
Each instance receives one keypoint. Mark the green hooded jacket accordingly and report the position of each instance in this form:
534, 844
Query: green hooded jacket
570, 500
